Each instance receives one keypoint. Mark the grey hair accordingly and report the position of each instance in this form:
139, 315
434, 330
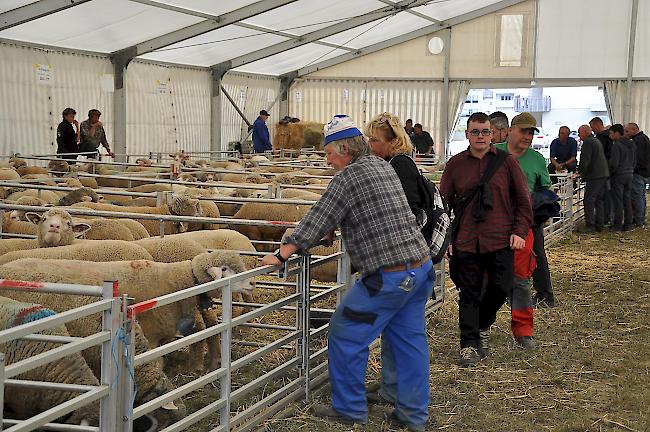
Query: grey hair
357, 146
499, 122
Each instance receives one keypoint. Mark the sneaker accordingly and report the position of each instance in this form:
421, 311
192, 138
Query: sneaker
526, 342
397, 423
484, 344
330, 414
469, 357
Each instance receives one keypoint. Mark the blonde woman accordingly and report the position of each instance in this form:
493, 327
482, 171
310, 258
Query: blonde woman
389, 141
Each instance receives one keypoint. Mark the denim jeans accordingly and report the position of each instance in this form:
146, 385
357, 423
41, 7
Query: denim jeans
368, 309
639, 198
622, 188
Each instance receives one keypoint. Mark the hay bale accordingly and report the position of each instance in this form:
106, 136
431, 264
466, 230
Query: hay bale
295, 136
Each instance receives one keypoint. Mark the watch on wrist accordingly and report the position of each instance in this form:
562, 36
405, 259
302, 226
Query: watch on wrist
279, 256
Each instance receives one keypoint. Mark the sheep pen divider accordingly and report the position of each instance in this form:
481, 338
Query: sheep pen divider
111, 390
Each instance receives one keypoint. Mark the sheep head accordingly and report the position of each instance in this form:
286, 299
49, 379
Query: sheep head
220, 264
17, 162
19, 215
56, 228
184, 206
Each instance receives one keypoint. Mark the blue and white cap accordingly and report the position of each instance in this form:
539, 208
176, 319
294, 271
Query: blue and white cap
340, 127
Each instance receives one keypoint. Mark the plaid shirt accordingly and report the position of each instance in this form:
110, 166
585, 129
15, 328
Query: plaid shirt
367, 201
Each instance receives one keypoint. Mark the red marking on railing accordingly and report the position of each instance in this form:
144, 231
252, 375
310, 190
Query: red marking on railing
141, 307
116, 292
20, 284
279, 222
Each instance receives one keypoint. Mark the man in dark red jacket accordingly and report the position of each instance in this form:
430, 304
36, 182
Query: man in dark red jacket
485, 244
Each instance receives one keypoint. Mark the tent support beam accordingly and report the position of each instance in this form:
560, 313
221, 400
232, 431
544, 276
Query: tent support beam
212, 22
627, 113
34, 11
342, 26
285, 85
216, 110
442, 147
409, 36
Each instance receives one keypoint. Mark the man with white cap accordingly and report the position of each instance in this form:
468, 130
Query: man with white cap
366, 200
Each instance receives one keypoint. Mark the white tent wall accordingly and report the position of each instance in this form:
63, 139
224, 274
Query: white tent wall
168, 108
616, 91
576, 40
320, 99
37, 84
251, 93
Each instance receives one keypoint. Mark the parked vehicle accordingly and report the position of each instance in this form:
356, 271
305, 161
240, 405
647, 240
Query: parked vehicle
541, 140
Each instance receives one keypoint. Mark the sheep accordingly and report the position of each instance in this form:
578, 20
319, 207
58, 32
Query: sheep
73, 182
170, 248
25, 171
300, 194
9, 174
144, 162
209, 210
19, 215
59, 167
180, 206
149, 377
105, 229
271, 212
9, 245
223, 239
55, 227
46, 195
144, 280
79, 195
86, 250
186, 177
73, 369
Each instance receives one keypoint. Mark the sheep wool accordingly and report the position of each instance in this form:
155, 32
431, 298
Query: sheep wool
85, 250
79, 195
73, 369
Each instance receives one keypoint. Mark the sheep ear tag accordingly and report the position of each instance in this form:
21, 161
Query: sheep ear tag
169, 406
80, 229
215, 272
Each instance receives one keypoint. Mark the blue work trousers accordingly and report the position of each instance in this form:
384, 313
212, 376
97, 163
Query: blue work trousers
377, 304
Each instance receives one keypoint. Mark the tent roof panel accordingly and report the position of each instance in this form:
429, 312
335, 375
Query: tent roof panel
103, 26
379, 30
291, 60
7, 5
443, 10
215, 46
310, 15
209, 6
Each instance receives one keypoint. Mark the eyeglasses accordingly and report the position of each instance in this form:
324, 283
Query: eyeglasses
484, 132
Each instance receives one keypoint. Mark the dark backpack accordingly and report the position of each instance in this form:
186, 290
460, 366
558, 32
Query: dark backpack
436, 227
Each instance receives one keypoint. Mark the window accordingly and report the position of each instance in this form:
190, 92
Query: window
505, 97
511, 36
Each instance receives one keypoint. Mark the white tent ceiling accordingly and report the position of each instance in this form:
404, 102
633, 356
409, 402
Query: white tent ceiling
185, 31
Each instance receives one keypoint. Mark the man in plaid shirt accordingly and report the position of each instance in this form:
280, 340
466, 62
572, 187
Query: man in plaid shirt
366, 200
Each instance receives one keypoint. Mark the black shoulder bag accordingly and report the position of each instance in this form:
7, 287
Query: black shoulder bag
481, 205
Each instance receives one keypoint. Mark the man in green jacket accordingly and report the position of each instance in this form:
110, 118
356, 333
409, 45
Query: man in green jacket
594, 172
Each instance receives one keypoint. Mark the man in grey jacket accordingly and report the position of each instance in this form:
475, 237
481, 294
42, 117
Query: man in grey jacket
594, 171
641, 172
621, 168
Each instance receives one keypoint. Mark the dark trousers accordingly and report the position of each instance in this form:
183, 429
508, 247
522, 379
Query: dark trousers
478, 312
541, 275
594, 201
622, 200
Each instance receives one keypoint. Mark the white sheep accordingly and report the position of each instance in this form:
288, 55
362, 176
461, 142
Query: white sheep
180, 206
150, 377
144, 280
26, 402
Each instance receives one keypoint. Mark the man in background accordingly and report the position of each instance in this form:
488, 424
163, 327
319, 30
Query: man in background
641, 172
408, 127
594, 172
67, 135
622, 162
602, 134
261, 140
421, 140
93, 135
564, 153
499, 126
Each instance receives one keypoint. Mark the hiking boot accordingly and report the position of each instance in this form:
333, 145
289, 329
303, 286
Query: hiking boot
397, 423
375, 397
484, 344
526, 342
469, 357
330, 414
